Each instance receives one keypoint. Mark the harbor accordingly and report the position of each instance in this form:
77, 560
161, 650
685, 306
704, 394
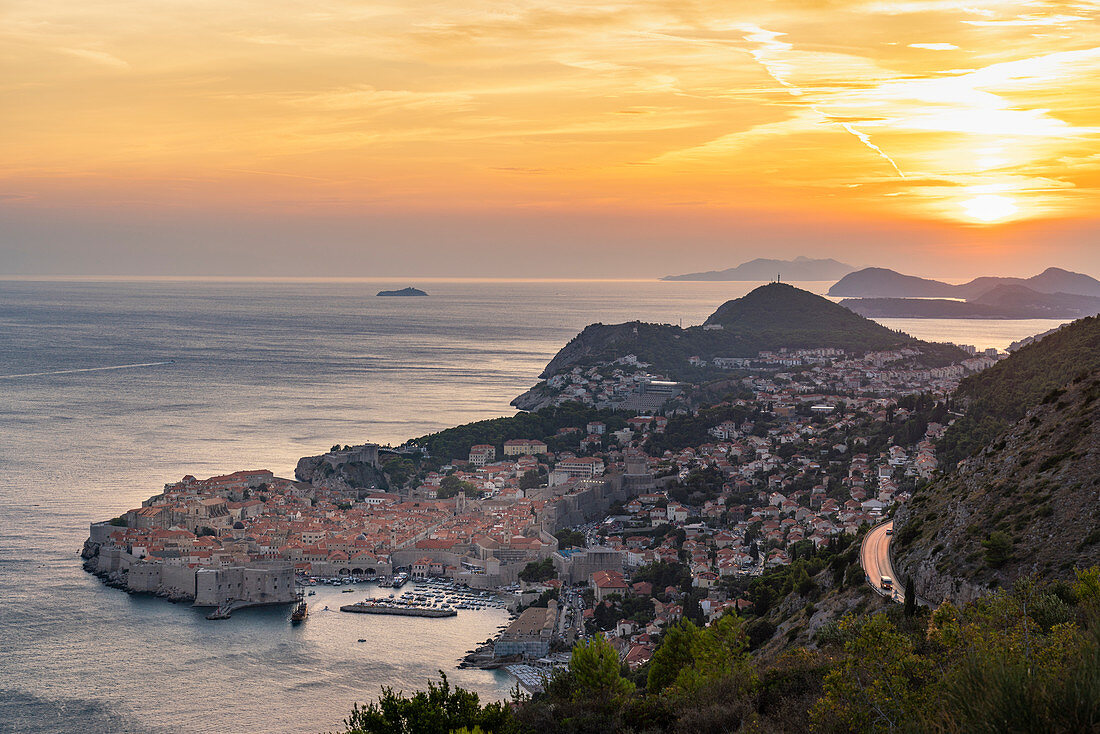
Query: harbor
431, 598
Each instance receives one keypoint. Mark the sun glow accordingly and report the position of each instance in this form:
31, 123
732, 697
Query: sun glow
955, 113
989, 208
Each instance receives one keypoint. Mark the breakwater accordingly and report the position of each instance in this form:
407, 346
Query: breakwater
404, 611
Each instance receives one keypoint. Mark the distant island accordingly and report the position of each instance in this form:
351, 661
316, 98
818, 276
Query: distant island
1003, 302
1053, 294
801, 268
886, 283
410, 291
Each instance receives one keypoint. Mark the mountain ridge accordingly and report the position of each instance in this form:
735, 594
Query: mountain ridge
1003, 301
886, 283
800, 268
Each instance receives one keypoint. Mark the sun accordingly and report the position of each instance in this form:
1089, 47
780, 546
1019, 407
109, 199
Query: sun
989, 208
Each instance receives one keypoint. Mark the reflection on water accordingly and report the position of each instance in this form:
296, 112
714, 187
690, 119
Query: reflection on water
981, 333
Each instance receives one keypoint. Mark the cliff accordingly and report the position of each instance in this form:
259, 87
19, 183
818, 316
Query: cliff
1027, 503
354, 468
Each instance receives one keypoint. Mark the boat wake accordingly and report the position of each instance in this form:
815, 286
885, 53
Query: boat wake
86, 369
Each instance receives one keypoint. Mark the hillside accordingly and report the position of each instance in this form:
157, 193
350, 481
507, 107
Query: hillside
801, 268
1025, 504
1002, 302
771, 317
1029, 300
885, 283
1001, 395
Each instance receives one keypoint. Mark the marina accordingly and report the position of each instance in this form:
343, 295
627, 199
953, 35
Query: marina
430, 598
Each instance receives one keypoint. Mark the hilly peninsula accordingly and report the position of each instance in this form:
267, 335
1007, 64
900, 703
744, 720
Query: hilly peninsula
801, 268
771, 317
886, 283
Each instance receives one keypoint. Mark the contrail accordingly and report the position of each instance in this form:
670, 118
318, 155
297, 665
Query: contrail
867, 141
85, 369
768, 42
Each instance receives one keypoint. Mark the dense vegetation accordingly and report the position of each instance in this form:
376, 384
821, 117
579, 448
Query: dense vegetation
536, 571
1019, 660
690, 429
997, 397
769, 318
454, 443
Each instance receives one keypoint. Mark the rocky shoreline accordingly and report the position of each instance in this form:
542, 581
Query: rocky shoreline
120, 579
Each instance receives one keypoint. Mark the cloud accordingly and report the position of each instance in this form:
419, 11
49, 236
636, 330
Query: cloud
97, 57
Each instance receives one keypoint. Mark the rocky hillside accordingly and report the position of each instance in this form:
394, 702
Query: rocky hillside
770, 317
998, 397
344, 476
1029, 502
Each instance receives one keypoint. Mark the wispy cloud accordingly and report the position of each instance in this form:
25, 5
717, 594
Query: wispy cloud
647, 102
96, 57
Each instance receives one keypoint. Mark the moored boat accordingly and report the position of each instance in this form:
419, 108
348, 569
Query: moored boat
300, 612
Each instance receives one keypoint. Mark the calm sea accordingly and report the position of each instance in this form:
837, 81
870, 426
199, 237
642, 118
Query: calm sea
109, 389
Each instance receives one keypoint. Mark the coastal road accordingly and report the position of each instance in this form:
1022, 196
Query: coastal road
874, 556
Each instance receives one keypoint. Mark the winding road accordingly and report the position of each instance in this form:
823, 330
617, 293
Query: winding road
874, 556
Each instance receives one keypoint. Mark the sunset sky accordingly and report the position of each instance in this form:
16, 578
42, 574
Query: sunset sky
567, 138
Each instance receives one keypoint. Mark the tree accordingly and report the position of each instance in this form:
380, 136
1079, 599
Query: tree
452, 485
910, 597
530, 479
569, 538
399, 469
675, 653
998, 549
878, 684
439, 710
718, 652
596, 672
536, 571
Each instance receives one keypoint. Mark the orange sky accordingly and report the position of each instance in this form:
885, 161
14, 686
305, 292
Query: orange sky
440, 137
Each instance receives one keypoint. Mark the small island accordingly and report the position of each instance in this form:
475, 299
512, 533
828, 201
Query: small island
410, 291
